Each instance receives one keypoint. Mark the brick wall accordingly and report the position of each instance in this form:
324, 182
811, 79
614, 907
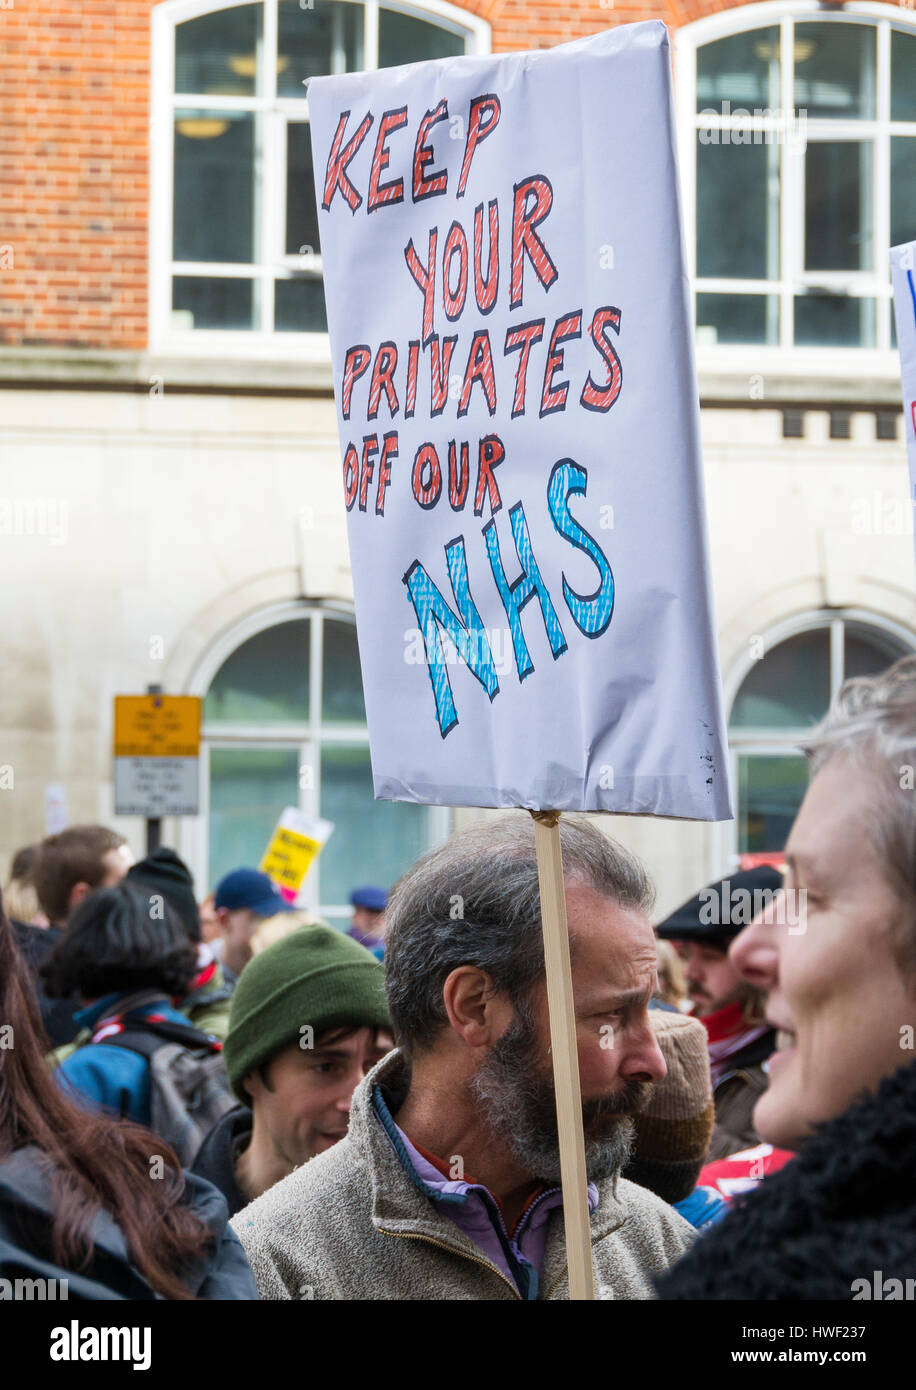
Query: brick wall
74, 172
74, 152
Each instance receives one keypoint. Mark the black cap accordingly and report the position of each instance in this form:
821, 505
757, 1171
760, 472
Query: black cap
165, 873
718, 913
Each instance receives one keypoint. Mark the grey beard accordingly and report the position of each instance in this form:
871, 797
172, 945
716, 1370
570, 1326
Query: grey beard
517, 1102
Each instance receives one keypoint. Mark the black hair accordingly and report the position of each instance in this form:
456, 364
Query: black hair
121, 940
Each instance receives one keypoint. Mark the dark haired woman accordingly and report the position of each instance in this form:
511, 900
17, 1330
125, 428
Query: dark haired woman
126, 955
78, 1197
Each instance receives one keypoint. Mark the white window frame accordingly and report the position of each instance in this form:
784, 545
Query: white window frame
275, 113
785, 742
308, 737
882, 360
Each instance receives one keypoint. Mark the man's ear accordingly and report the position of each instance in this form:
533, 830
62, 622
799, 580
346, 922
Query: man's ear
252, 1085
477, 1012
78, 892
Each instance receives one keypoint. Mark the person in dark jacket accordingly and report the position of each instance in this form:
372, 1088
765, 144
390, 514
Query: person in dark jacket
836, 954
76, 1200
730, 1009
125, 962
309, 1020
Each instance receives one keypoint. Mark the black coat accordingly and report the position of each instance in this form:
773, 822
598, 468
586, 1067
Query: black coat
843, 1208
26, 1218
216, 1156
57, 1015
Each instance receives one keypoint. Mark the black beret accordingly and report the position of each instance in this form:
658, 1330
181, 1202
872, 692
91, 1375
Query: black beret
718, 913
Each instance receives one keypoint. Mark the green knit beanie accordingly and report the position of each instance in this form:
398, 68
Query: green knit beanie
315, 977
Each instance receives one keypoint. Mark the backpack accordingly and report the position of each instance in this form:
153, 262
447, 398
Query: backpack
189, 1089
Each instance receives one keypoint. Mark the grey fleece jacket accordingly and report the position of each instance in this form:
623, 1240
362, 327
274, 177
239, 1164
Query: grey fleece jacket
353, 1224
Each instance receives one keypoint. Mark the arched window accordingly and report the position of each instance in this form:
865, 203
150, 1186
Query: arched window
284, 724
799, 167
236, 254
788, 690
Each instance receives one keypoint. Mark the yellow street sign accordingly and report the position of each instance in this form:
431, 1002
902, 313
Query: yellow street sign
157, 726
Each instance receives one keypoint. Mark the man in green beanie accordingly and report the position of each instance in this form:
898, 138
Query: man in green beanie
309, 1020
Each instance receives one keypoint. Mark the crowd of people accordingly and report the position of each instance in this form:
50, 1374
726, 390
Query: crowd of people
228, 1098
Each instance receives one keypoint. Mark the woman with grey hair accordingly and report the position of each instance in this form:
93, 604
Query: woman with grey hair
836, 953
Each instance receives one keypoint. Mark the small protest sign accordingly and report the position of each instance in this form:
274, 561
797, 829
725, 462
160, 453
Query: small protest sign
294, 846
903, 270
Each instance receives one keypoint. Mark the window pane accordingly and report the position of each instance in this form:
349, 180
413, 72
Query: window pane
328, 37
301, 207
770, 791
838, 205
249, 787
299, 306
903, 76
834, 320
865, 653
737, 206
742, 70
835, 69
342, 697
214, 186
217, 54
265, 680
403, 39
737, 318
903, 189
789, 687
373, 841
213, 301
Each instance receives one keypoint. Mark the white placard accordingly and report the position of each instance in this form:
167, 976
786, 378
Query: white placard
903, 270
519, 424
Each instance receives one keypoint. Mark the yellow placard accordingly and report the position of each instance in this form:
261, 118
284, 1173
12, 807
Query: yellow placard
157, 726
288, 857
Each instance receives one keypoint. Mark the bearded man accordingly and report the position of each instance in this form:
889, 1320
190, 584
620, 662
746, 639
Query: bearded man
447, 1184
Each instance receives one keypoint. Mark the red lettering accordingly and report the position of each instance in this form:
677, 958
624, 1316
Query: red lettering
426, 493
491, 451
553, 398
413, 363
351, 475
455, 243
389, 451
483, 118
485, 290
370, 447
427, 186
522, 337
336, 174
457, 482
357, 360
425, 277
386, 359
479, 368
438, 372
380, 195
525, 240
596, 397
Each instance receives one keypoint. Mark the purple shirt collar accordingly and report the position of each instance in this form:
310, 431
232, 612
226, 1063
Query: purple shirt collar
475, 1211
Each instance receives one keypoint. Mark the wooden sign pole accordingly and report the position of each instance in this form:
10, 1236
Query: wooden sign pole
565, 1055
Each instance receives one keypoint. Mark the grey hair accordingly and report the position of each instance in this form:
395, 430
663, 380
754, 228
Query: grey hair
873, 720
475, 901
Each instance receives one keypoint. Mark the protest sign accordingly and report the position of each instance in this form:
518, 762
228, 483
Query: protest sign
294, 846
903, 270
519, 427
